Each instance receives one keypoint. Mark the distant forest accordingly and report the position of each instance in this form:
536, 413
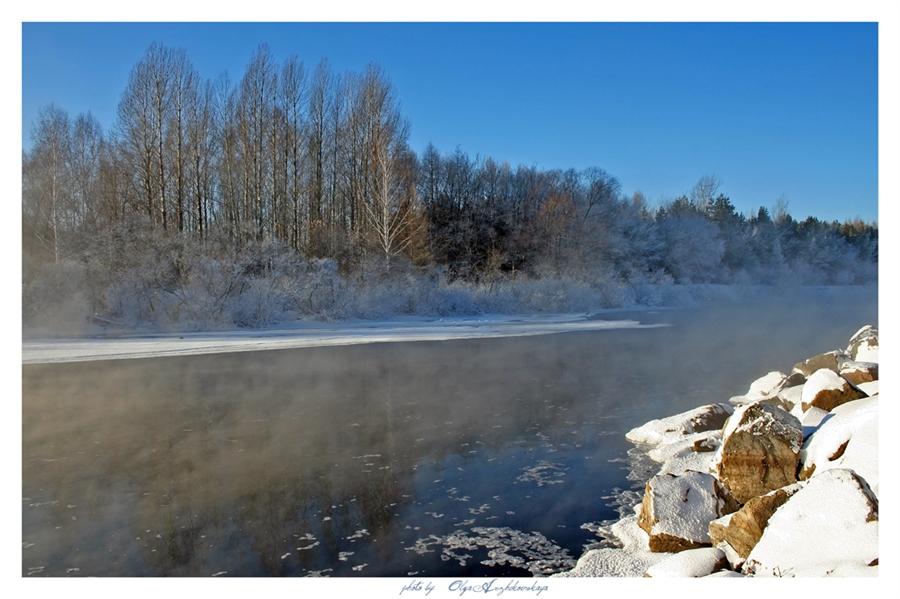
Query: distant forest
293, 193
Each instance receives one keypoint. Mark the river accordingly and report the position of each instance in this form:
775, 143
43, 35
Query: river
473, 457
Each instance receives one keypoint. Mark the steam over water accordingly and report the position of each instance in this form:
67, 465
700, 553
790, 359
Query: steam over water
476, 457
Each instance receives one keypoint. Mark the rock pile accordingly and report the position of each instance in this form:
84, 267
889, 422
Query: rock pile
786, 486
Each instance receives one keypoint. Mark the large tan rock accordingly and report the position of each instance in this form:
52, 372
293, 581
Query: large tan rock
826, 390
831, 360
676, 510
717, 530
718, 527
759, 452
746, 526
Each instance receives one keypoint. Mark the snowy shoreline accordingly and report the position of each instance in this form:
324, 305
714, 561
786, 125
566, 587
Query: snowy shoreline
113, 344
779, 482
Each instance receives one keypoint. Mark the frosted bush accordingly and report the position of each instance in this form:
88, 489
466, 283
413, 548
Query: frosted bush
497, 299
612, 294
257, 305
453, 301
314, 288
137, 278
650, 289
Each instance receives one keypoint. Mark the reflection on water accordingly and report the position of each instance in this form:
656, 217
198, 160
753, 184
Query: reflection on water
463, 458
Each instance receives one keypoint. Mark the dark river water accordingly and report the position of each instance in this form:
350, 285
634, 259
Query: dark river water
455, 458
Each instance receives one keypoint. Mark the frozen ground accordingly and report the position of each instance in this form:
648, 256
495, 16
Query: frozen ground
110, 343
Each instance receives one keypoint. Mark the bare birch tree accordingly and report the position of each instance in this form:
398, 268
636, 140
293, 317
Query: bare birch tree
47, 179
293, 101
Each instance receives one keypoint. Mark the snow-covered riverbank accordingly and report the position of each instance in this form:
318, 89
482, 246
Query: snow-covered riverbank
780, 482
107, 343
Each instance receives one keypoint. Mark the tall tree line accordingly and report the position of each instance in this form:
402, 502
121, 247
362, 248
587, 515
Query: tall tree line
319, 163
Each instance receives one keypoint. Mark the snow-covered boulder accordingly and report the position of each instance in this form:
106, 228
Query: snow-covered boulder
676, 510
829, 360
829, 527
771, 388
768, 384
859, 372
746, 526
826, 389
760, 450
693, 563
863, 345
848, 439
762, 388
692, 452
673, 428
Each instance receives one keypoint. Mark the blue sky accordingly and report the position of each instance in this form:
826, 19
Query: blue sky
772, 109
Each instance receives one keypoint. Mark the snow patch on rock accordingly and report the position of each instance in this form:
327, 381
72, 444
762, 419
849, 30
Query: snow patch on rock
694, 563
674, 428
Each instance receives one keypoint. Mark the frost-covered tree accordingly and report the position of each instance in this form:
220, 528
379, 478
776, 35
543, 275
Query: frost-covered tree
704, 192
693, 249
152, 126
253, 124
47, 179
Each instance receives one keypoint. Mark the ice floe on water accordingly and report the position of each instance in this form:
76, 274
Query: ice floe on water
505, 547
544, 473
121, 345
318, 573
359, 534
308, 537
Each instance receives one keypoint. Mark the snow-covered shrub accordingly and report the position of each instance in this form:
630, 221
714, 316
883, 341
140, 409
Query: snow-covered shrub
319, 290
613, 294
453, 300
650, 289
554, 295
258, 304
